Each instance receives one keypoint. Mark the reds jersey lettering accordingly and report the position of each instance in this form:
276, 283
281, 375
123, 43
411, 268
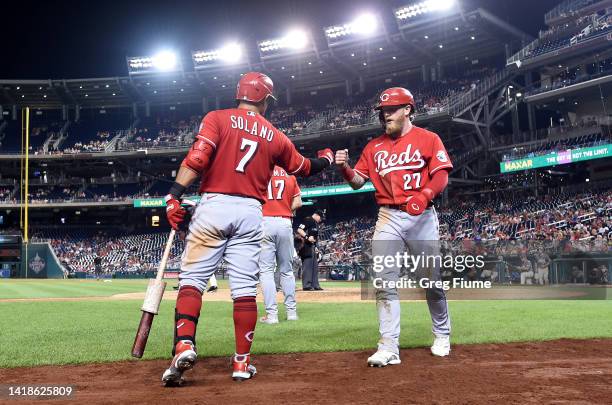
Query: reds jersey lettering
400, 167
247, 147
282, 189
386, 162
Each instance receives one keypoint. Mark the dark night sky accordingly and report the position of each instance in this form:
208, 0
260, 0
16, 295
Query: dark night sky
76, 39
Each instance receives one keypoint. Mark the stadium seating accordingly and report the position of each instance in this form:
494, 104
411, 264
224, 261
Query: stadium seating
93, 133
160, 132
120, 252
583, 216
549, 43
556, 146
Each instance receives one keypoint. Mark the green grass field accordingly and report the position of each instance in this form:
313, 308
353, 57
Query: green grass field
63, 332
33, 288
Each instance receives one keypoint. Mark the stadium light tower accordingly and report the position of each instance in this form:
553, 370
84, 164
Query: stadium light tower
424, 7
441, 4
231, 53
163, 61
295, 40
365, 24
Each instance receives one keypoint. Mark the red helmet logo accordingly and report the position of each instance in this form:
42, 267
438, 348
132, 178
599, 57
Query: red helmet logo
396, 96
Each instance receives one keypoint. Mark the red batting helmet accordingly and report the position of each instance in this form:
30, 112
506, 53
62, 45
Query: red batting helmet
395, 96
254, 87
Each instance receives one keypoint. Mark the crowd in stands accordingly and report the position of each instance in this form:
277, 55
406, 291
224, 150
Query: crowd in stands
55, 194
344, 242
561, 217
599, 26
95, 145
345, 117
570, 76
574, 219
133, 253
6, 194
568, 8
162, 132
574, 24
557, 146
292, 120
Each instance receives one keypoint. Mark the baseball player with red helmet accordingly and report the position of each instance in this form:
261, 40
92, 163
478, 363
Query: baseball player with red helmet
408, 167
283, 199
234, 152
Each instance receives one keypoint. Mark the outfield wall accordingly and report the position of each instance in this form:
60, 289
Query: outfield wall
41, 262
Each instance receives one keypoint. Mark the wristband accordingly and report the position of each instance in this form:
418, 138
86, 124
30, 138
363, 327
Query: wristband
317, 165
177, 190
347, 173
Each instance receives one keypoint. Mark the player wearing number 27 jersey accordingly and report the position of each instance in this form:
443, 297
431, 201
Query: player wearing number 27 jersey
408, 167
400, 168
234, 153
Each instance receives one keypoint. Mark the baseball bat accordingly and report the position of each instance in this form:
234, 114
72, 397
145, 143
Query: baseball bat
153, 297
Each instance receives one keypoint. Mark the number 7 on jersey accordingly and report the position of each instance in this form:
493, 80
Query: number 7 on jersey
251, 147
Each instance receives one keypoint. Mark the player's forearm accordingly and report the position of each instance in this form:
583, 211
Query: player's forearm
301, 233
317, 166
352, 177
437, 183
296, 203
357, 182
183, 180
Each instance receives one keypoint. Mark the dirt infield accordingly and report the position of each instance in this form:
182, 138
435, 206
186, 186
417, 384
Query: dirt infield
561, 371
355, 294
335, 294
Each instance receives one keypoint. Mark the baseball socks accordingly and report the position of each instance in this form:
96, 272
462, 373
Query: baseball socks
245, 319
188, 305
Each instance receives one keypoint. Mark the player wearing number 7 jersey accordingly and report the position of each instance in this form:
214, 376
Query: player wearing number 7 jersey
408, 167
234, 152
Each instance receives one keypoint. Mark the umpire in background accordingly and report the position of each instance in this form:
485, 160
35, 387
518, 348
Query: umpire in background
309, 231
98, 267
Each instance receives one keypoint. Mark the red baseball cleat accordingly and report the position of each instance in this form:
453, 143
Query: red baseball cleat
184, 360
243, 370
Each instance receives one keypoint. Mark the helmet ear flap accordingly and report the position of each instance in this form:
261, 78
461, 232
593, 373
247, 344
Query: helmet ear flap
412, 110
